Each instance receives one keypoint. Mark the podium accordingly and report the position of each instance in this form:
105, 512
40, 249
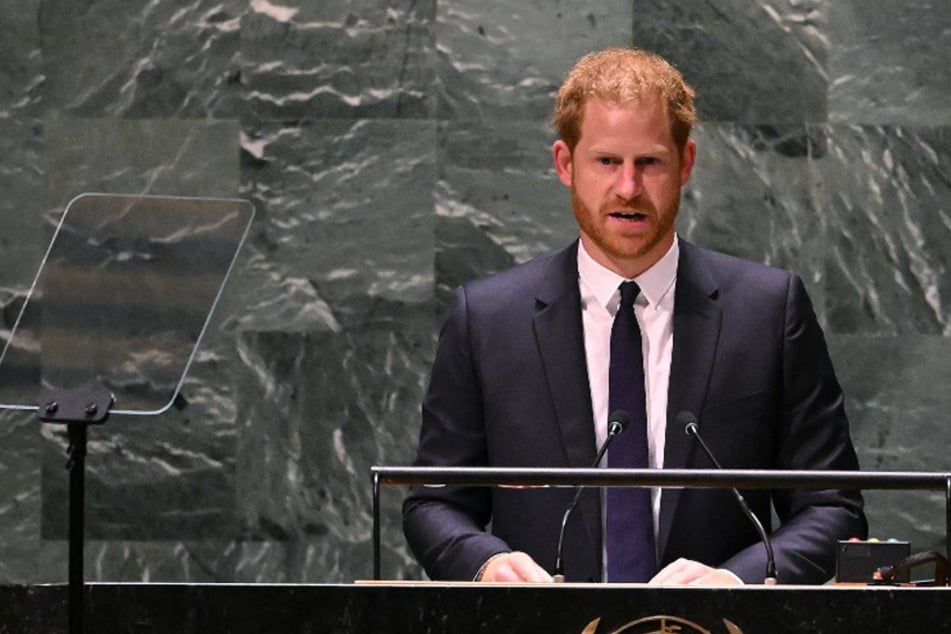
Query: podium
428, 608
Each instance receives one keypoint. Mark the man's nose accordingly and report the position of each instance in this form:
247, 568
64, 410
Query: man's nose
628, 184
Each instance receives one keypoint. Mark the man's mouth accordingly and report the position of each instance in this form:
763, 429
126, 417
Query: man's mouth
628, 215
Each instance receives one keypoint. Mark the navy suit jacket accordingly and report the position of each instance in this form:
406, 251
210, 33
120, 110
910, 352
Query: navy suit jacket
509, 388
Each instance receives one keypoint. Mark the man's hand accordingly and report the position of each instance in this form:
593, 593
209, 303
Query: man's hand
686, 572
514, 567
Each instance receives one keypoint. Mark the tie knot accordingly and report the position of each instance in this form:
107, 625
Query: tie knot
629, 292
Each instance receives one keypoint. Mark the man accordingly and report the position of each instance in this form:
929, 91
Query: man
521, 374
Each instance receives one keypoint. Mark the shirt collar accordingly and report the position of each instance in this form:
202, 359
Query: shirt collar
655, 282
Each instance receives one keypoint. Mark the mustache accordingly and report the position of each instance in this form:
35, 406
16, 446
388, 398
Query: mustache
628, 207
634, 206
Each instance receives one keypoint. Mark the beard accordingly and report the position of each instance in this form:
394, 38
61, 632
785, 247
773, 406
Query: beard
614, 244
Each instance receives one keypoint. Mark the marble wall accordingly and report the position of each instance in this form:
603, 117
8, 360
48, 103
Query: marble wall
395, 148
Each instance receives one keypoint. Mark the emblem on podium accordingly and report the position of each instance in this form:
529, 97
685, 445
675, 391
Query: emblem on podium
662, 625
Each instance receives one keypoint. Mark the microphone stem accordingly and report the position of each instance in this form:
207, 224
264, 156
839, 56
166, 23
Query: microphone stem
614, 428
770, 579
559, 574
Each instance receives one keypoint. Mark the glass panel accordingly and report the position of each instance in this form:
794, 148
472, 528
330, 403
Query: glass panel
122, 299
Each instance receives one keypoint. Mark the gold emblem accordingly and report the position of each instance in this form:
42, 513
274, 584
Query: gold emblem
661, 625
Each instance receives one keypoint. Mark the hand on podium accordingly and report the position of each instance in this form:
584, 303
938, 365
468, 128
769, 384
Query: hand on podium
516, 567
686, 572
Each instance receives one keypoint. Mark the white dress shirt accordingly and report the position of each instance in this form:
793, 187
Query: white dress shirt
654, 309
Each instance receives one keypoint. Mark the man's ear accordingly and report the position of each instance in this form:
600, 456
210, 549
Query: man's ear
561, 156
687, 161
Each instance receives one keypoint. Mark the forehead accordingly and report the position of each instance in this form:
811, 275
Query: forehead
645, 119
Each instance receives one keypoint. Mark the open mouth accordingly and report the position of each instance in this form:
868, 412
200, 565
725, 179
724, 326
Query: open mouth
629, 215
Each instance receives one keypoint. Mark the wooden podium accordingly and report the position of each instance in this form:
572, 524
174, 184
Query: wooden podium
431, 608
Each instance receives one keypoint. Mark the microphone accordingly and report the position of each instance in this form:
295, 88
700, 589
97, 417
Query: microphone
617, 422
691, 429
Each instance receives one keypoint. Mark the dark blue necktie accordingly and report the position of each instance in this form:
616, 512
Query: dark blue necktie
629, 532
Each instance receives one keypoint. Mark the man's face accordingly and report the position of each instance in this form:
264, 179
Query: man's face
625, 176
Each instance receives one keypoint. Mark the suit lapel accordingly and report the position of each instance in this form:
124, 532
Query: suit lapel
559, 333
697, 317
560, 337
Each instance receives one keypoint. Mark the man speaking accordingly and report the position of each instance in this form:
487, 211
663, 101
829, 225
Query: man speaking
533, 360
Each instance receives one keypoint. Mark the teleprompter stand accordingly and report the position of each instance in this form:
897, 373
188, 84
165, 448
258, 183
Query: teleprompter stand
113, 320
77, 409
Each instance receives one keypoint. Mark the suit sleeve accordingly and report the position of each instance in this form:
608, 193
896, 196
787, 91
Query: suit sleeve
445, 526
813, 433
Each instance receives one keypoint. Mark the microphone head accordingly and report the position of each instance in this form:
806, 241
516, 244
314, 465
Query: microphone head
618, 422
688, 421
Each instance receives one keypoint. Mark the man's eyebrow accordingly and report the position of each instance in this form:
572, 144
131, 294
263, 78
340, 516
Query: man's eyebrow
646, 150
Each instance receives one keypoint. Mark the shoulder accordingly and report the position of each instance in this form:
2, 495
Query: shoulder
525, 281
723, 273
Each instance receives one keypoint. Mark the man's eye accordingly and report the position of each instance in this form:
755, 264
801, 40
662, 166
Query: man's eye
606, 160
648, 160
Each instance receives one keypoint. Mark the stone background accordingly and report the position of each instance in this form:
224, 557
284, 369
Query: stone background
395, 148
